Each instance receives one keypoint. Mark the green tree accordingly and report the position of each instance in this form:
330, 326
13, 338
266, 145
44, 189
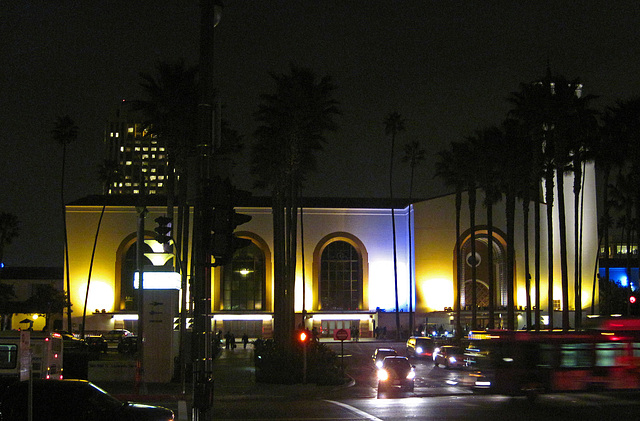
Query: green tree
48, 300
65, 132
293, 122
394, 124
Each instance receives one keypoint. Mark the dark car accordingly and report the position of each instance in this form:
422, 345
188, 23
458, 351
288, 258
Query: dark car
396, 373
450, 356
71, 343
116, 334
420, 347
73, 400
128, 345
96, 344
380, 353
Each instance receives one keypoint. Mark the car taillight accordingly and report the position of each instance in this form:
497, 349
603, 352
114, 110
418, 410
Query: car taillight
383, 375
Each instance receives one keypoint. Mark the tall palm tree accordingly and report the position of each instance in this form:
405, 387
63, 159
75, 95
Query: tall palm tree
107, 174
414, 155
65, 132
489, 154
293, 121
449, 168
394, 124
552, 110
471, 177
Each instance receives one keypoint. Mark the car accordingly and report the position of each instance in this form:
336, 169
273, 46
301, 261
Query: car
58, 400
380, 353
72, 344
116, 334
96, 344
450, 356
396, 373
128, 345
420, 347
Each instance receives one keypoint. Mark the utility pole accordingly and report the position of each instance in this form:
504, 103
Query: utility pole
202, 357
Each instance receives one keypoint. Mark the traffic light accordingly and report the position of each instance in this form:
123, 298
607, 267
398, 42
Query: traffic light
303, 336
225, 220
163, 230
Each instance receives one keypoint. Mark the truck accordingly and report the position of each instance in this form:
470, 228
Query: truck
24, 353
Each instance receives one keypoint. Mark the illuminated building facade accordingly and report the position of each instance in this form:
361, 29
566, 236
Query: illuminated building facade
346, 275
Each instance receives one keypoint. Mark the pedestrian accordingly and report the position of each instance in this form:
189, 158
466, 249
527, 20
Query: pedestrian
245, 340
233, 341
227, 340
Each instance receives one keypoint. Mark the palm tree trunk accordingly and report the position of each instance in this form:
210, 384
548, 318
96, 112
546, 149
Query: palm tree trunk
66, 240
491, 280
510, 210
474, 268
527, 274
536, 257
393, 229
563, 249
280, 328
93, 254
549, 200
460, 281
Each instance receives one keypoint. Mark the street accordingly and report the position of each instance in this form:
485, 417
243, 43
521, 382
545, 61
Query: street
437, 396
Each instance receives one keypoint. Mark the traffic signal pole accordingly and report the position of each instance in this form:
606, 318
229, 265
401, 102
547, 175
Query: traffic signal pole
202, 358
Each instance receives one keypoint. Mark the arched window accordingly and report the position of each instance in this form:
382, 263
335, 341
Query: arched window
128, 294
243, 280
340, 277
481, 262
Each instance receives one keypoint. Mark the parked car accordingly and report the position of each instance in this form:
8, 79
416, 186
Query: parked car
396, 372
73, 400
96, 344
380, 353
450, 356
116, 334
71, 343
420, 347
128, 345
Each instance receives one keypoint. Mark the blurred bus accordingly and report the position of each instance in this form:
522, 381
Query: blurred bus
604, 357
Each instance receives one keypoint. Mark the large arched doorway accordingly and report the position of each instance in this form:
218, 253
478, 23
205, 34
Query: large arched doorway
482, 264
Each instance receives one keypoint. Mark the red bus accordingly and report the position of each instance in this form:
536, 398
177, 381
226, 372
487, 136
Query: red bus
606, 357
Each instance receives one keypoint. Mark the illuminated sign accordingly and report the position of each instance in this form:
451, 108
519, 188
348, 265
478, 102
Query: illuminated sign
158, 280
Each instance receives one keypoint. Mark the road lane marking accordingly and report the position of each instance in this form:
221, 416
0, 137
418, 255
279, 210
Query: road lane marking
354, 410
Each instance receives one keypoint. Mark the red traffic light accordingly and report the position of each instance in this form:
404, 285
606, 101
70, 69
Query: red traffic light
632, 299
303, 336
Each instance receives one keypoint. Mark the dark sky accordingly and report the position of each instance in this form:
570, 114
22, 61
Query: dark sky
445, 66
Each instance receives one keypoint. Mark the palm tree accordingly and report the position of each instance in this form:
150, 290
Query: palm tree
449, 168
414, 154
394, 124
293, 123
489, 153
64, 132
107, 174
471, 177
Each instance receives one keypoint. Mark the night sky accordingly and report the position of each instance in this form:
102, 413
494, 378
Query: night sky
445, 66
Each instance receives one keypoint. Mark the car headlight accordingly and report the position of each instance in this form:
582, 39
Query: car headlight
379, 363
452, 360
419, 350
383, 375
411, 374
